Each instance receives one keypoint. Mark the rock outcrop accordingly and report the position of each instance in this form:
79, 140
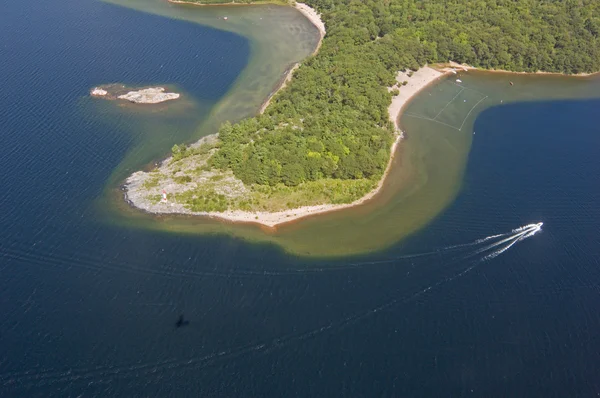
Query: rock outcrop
98, 92
152, 95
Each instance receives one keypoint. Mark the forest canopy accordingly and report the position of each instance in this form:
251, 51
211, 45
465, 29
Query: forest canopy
332, 122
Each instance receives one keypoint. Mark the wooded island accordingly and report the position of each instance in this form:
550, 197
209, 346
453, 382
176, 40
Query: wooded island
326, 137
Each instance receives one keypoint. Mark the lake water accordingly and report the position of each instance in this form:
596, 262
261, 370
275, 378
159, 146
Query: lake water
89, 304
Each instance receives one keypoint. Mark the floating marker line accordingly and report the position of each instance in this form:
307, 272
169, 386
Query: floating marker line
466, 117
467, 88
452, 100
431, 120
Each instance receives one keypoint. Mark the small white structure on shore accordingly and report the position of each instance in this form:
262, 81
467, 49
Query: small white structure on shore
164, 196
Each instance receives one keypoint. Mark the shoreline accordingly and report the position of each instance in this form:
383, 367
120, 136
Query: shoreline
309, 13
315, 19
280, 86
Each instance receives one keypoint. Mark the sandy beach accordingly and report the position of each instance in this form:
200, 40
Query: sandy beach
313, 16
417, 82
452, 67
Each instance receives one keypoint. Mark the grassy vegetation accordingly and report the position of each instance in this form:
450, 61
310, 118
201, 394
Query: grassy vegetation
206, 198
179, 152
201, 189
203, 200
153, 181
154, 198
182, 179
334, 191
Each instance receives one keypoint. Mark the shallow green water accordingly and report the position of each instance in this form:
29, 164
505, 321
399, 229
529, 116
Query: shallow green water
428, 167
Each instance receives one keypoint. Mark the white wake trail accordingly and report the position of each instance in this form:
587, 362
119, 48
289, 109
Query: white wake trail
39, 377
529, 230
520, 236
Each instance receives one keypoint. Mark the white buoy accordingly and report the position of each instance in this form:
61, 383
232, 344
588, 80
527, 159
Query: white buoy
225, 18
458, 80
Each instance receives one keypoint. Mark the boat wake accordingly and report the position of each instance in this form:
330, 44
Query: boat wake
190, 270
465, 257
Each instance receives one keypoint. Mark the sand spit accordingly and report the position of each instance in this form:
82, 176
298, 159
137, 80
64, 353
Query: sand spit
453, 67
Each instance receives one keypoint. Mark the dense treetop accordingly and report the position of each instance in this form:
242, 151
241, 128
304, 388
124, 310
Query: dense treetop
331, 121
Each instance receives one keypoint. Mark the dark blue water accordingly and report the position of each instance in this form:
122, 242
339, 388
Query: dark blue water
89, 309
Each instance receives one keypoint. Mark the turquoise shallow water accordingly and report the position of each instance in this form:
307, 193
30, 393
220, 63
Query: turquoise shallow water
89, 308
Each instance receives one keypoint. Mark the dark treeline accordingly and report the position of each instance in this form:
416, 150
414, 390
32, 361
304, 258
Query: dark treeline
332, 122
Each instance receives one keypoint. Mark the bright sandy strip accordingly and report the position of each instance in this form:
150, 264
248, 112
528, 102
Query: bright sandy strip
419, 80
314, 17
456, 67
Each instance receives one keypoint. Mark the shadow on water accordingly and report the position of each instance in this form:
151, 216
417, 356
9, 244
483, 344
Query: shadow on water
181, 322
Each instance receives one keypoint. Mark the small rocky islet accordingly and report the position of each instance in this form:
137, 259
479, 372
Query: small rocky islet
148, 95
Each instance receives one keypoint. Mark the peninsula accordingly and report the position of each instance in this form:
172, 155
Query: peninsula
326, 141
167, 189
